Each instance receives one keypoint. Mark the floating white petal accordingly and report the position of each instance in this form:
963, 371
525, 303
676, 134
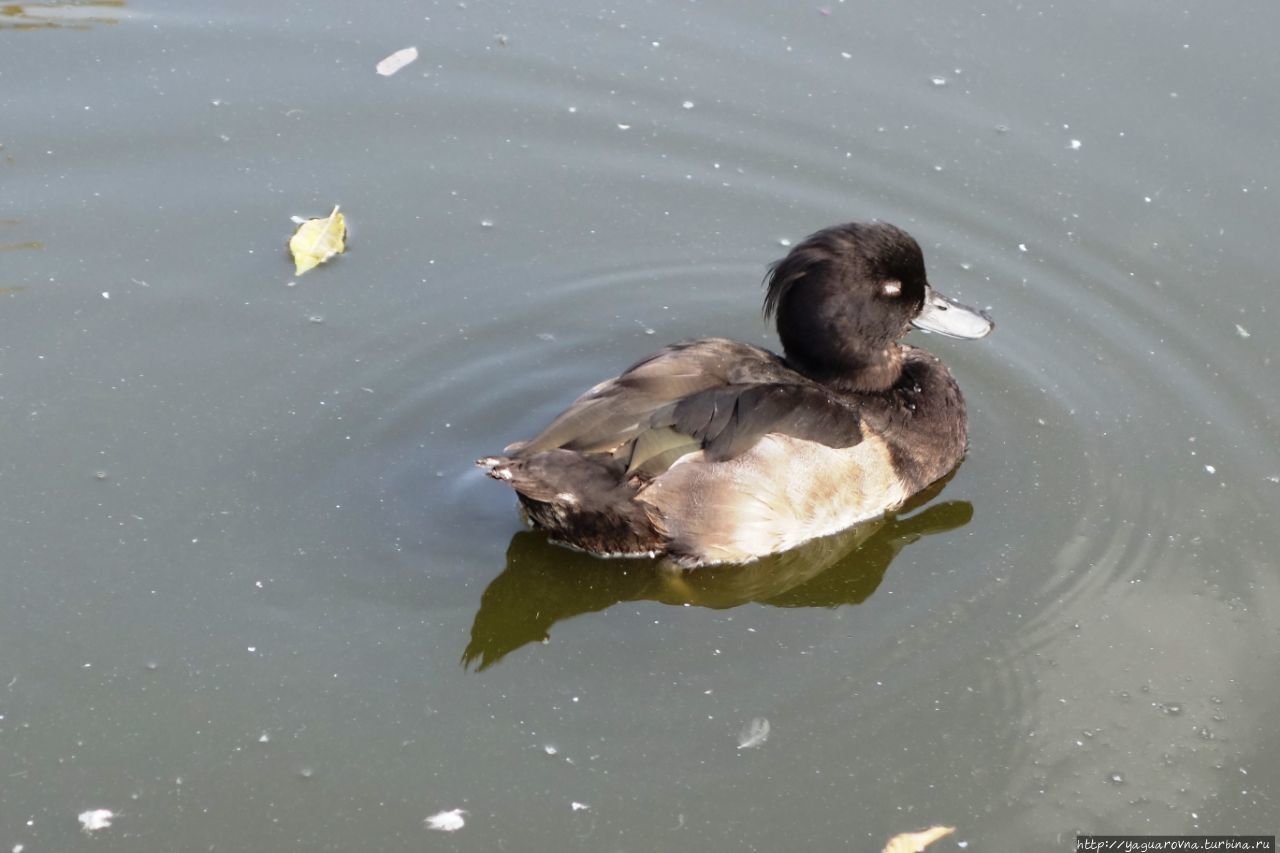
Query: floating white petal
396, 61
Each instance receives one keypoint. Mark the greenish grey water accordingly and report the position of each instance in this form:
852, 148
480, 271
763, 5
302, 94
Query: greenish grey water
255, 596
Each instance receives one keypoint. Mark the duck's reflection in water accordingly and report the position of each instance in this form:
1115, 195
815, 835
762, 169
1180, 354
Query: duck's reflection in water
544, 583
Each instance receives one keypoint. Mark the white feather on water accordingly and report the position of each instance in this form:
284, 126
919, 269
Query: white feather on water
96, 819
754, 733
450, 821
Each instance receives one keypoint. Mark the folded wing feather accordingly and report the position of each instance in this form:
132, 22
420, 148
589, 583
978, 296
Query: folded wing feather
713, 394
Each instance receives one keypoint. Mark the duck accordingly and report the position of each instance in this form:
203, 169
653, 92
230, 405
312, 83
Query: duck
713, 451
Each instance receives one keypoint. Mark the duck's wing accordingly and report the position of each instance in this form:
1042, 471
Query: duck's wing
713, 394
728, 420
615, 411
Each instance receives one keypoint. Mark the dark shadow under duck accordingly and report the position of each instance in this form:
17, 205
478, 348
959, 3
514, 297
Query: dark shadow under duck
542, 585
714, 451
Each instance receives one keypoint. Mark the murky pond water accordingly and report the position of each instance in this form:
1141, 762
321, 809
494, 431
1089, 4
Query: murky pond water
255, 596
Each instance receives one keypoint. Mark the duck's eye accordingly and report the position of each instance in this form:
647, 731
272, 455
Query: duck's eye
891, 288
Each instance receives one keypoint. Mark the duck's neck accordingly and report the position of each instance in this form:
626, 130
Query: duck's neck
857, 371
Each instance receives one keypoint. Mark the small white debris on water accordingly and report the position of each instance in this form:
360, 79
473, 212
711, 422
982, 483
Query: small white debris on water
844, 54
393, 63
754, 733
265, 737
784, 242
578, 807
1022, 247
95, 819
938, 80
1242, 331
551, 749
1275, 479
450, 821
486, 223
18, 848
688, 105
624, 126
1211, 469
1075, 144
106, 294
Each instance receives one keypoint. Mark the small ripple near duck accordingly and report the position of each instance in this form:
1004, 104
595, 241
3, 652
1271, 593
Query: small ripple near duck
714, 451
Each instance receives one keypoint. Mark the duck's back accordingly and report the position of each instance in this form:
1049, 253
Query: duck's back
718, 394
713, 451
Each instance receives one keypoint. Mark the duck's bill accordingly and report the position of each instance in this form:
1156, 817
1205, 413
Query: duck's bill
948, 317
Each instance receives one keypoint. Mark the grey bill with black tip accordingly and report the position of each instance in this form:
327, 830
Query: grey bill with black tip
945, 316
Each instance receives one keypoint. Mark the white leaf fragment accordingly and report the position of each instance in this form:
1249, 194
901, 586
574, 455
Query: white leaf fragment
577, 807
95, 819
753, 733
450, 821
914, 842
396, 61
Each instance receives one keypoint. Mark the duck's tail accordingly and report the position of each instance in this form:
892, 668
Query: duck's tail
584, 500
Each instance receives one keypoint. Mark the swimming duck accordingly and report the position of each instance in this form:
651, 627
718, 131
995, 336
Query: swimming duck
715, 451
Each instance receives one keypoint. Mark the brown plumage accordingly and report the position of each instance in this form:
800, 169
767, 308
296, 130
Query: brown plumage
716, 451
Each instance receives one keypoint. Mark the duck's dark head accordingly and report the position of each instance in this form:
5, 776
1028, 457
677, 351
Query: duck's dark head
844, 296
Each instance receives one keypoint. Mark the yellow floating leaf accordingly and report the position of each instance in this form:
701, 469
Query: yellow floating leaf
914, 842
318, 240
